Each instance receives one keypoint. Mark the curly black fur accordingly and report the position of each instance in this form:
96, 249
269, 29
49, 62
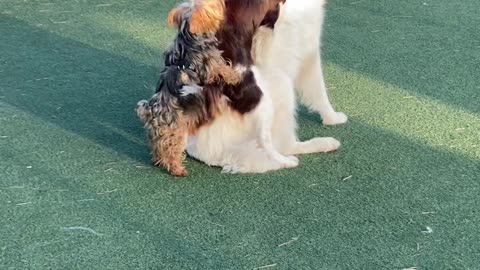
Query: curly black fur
187, 63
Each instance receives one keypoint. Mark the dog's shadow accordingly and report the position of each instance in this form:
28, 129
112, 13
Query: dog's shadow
84, 90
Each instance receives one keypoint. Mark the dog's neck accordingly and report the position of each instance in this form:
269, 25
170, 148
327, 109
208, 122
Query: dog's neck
242, 19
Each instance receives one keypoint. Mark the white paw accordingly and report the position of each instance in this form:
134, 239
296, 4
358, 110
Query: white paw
330, 144
335, 119
291, 162
322, 145
233, 169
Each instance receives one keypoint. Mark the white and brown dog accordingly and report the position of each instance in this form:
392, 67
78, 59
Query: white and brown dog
286, 61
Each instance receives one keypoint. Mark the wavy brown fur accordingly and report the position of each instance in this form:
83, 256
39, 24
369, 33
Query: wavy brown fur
168, 150
219, 69
167, 142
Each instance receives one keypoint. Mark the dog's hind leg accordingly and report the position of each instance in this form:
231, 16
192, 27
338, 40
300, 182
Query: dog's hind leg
311, 86
244, 157
264, 119
284, 127
286, 141
259, 154
249, 158
315, 145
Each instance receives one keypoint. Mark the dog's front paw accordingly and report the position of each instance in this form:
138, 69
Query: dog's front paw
279, 161
330, 144
335, 119
178, 171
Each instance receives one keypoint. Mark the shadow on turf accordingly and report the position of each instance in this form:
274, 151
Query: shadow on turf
82, 89
423, 49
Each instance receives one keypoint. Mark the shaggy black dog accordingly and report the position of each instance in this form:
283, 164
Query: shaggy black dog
180, 104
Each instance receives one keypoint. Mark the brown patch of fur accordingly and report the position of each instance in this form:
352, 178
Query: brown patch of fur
222, 70
174, 16
206, 15
272, 15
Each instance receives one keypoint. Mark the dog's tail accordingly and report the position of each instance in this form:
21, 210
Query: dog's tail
156, 112
204, 15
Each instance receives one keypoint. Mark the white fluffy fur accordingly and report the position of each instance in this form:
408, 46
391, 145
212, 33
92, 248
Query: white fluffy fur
286, 58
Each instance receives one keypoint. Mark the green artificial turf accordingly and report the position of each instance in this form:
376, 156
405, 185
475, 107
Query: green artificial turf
77, 190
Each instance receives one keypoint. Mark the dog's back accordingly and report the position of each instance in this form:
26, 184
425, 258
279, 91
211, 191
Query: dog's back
296, 37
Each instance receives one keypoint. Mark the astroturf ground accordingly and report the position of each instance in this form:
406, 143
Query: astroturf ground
77, 190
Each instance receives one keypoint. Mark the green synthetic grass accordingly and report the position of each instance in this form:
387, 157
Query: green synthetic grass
77, 191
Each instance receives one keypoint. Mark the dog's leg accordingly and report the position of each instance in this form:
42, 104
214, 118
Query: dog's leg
285, 137
315, 145
263, 118
259, 154
311, 86
249, 158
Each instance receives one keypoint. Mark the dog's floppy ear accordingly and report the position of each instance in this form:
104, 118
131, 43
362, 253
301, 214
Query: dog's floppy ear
176, 16
207, 16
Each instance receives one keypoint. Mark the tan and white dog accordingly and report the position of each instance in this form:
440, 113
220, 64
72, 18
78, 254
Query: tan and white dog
287, 62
